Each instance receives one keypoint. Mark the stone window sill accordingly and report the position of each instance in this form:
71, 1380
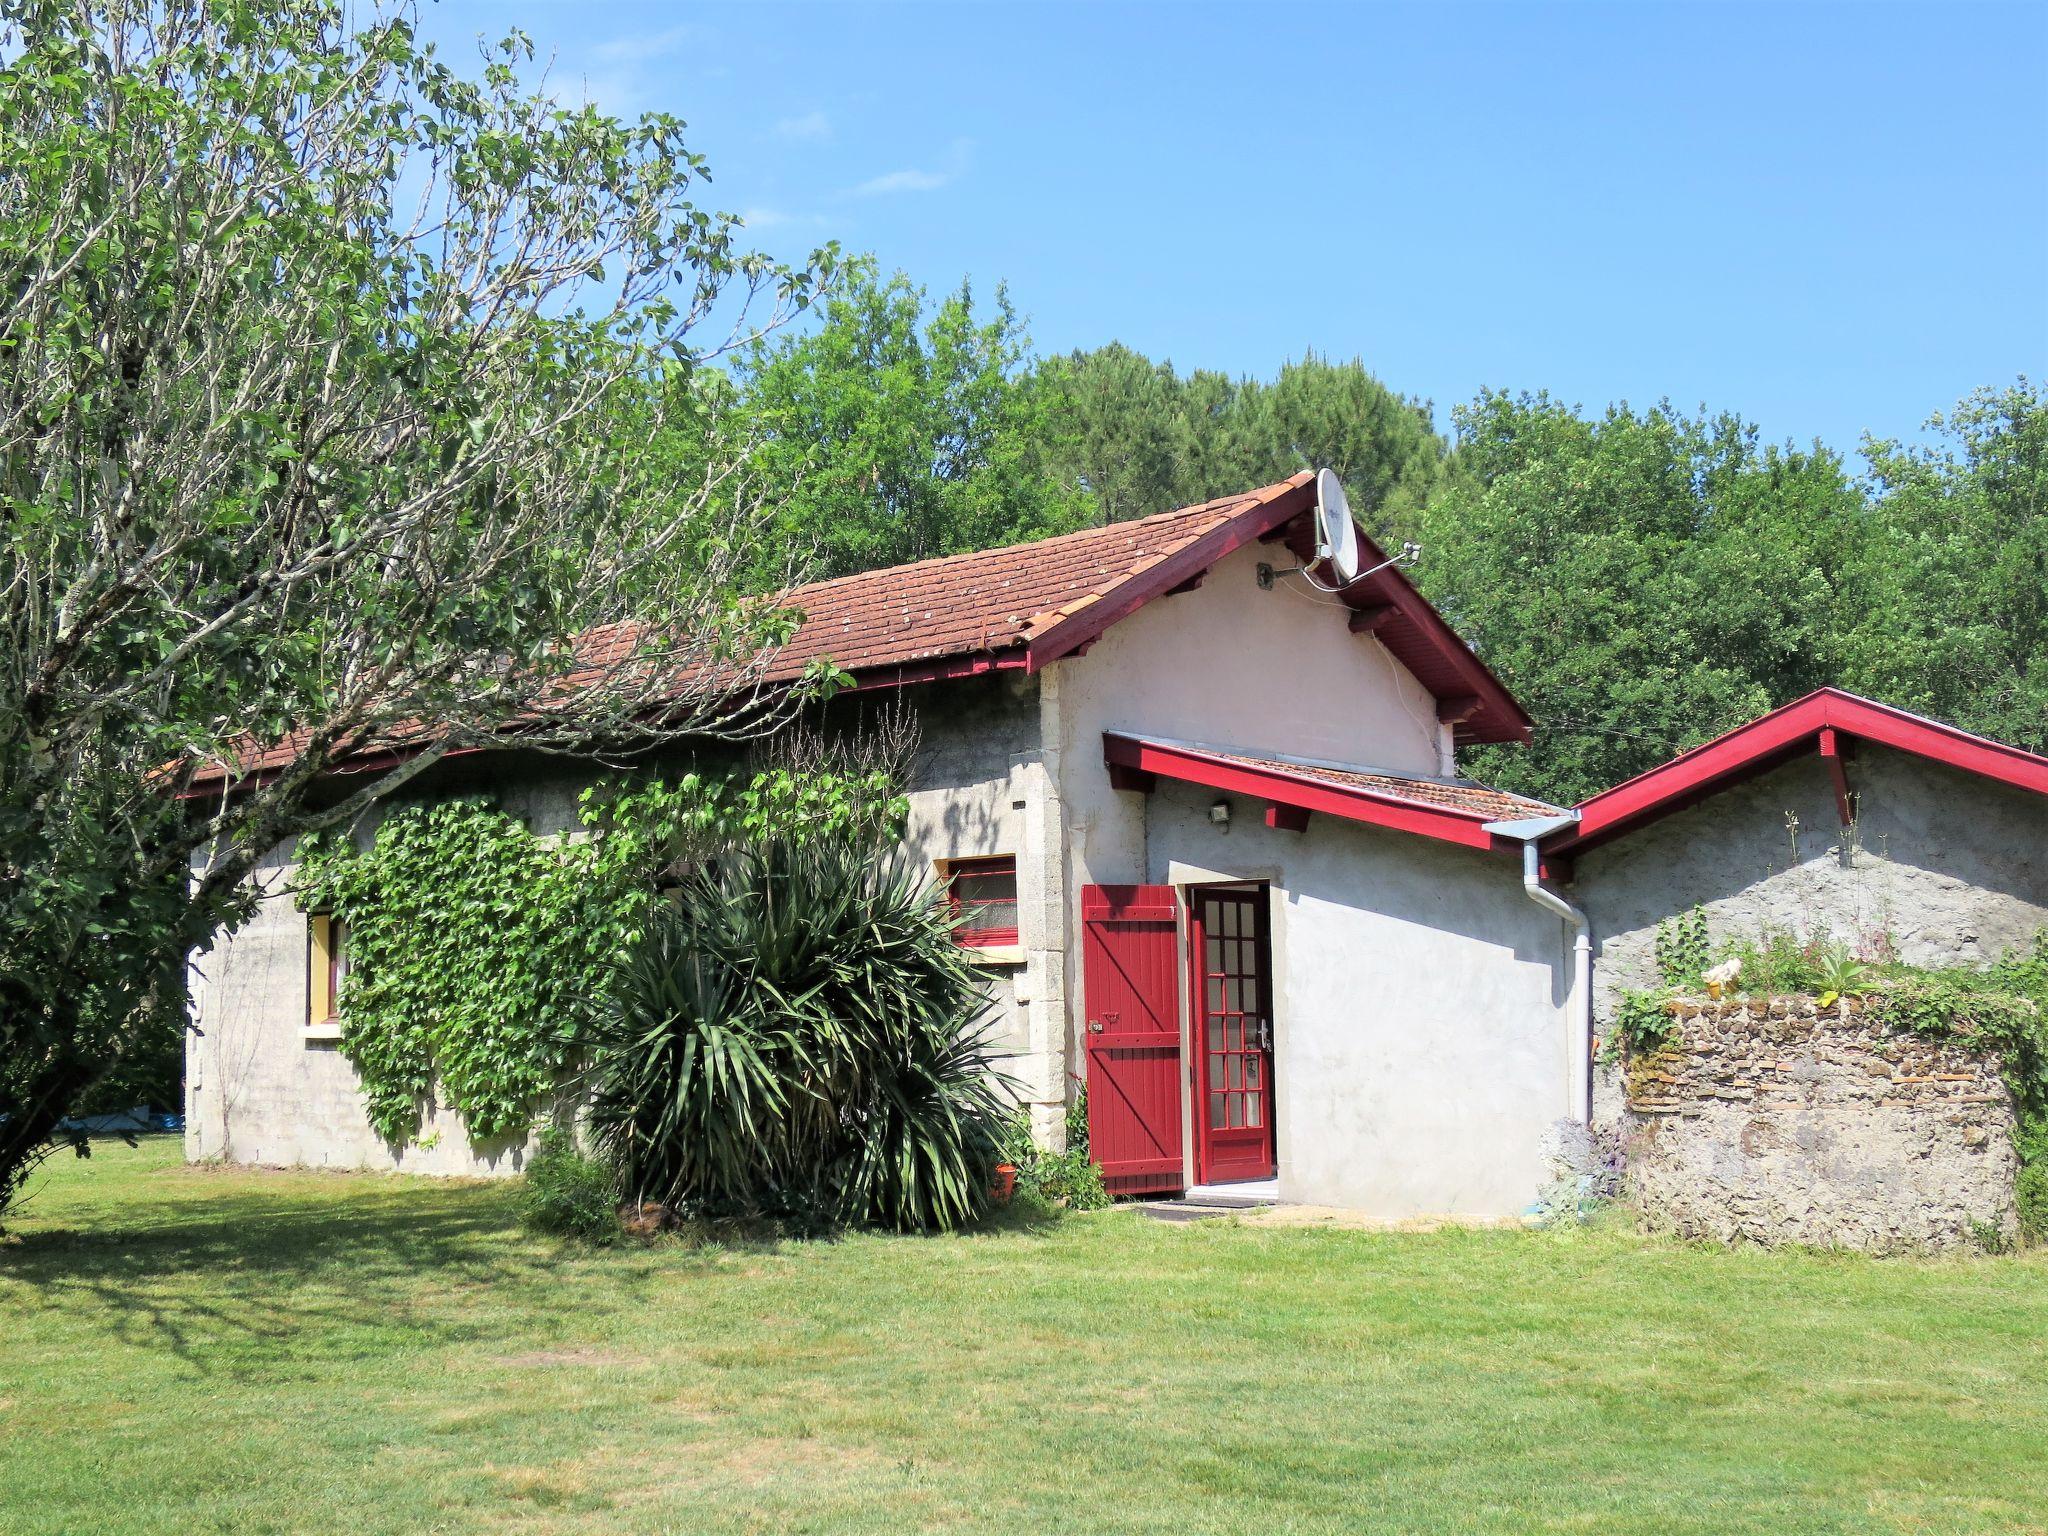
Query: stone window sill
326, 1032
995, 956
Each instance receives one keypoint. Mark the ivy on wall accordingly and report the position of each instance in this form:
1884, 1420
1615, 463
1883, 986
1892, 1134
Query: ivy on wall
478, 949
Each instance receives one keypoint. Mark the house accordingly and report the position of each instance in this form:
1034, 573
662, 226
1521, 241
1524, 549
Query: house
1224, 870
1834, 815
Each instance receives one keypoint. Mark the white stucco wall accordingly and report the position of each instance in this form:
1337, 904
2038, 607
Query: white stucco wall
1420, 1052
1420, 1049
1228, 665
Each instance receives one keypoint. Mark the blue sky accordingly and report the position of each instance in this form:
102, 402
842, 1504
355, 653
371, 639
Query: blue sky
1832, 219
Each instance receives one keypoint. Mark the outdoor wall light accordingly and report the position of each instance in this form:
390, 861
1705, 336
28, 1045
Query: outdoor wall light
1220, 813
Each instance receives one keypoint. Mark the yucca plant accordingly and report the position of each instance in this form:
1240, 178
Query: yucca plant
799, 1033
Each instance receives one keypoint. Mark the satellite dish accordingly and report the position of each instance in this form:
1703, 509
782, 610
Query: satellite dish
1336, 534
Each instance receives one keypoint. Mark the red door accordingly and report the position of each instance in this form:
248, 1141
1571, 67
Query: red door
1231, 963
1130, 976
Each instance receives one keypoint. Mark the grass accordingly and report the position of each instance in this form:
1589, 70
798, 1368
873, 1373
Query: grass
234, 1351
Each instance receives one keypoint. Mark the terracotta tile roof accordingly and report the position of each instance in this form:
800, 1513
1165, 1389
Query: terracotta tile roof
1462, 796
1454, 811
993, 600
1025, 605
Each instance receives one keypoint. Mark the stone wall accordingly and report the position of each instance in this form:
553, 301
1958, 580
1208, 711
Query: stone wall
1788, 1123
259, 1090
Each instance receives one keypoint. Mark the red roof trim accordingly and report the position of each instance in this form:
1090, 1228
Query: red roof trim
941, 669
1288, 500
1027, 605
1277, 786
1785, 733
1399, 616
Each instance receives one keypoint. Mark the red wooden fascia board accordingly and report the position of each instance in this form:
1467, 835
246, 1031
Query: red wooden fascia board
898, 675
1871, 721
212, 785
937, 669
1691, 776
1297, 794
1822, 719
1120, 602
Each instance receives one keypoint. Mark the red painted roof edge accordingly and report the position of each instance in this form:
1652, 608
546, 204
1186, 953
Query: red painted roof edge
1191, 765
1269, 507
1786, 731
1422, 612
1274, 506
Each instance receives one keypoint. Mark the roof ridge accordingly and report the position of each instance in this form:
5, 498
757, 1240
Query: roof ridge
1236, 500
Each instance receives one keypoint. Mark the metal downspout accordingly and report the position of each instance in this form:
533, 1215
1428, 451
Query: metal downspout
1530, 834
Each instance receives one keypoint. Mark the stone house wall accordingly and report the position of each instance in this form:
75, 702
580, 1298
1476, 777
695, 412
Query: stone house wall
258, 1090
1953, 868
1783, 1122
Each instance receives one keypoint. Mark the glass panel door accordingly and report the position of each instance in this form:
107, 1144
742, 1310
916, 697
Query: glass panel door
1231, 954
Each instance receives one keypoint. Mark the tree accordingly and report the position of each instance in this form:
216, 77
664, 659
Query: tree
1142, 439
1641, 582
896, 430
321, 371
1953, 620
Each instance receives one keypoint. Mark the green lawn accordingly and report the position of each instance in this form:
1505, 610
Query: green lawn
223, 1351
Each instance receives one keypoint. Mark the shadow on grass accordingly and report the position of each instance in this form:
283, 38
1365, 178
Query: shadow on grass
256, 1266
222, 1278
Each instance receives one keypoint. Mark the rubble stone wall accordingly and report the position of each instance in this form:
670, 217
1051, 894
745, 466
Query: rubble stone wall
1785, 1122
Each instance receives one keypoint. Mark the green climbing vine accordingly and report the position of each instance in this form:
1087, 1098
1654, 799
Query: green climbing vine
477, 949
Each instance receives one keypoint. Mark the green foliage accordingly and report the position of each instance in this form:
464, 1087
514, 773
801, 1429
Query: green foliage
1646, 580
567, 1193
1642, 581
800, 1034
1644, 1021
1951, 584
479, 951
1068, 1179
316, 356
1141, 438
897, 430
2002, 1011
1681, 948
472, 951
1778, 962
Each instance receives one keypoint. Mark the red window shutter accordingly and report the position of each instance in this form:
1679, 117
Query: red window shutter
1130, 978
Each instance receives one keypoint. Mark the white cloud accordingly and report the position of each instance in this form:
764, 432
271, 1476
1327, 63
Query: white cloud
904, 181
809, 128
649, 45
779, 218
916, 180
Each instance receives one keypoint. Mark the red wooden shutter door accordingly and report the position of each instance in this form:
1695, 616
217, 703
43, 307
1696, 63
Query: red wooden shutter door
1130, 978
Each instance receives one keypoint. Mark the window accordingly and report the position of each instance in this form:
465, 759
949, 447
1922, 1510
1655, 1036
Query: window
983, 893
326, 964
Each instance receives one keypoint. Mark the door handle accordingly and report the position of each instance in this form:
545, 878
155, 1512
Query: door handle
1108, 1020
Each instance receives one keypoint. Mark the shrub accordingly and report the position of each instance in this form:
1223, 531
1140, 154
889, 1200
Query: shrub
1644, 1021
567, 1193
799, 1034
2030, 1193
1066, 1178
